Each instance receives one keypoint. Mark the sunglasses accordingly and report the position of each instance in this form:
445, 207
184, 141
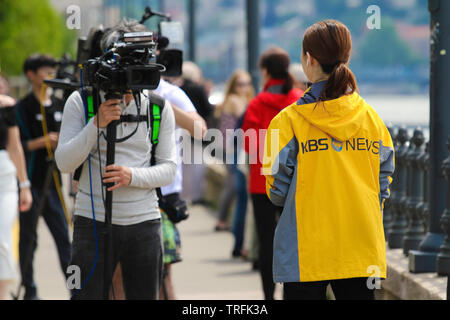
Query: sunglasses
243, 84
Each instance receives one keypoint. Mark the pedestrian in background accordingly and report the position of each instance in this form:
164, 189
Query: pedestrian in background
38, 68
238, 93
12, 166
300, 79
4, 85
187, 118
331, 171
194, 173
278, 93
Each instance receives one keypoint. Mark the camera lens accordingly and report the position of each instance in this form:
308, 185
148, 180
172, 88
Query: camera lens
137, 77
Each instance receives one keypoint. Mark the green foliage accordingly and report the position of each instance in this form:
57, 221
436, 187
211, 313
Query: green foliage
28, 27
384, 47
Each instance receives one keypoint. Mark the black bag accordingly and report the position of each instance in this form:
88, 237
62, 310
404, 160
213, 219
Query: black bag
175, 207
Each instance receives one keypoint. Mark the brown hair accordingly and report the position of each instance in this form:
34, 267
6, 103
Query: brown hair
330, 43
230, 87
276, 61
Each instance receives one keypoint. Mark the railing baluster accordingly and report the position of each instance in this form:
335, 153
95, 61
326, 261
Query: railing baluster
399, 224
416, 231
443, 258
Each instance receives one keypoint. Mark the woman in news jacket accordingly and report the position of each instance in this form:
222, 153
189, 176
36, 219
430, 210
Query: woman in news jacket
328, 161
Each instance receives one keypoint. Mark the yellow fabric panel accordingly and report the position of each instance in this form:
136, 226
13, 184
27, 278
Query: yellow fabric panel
327, 225
15, 240
277, 137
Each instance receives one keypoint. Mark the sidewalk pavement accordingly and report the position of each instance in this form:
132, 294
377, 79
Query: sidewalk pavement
207, 272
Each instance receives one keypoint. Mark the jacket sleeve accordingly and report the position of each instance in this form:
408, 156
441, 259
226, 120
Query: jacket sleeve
387, 165
280, 159
76, 139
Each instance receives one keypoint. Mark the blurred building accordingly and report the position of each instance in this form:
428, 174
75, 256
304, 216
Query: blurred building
417, 37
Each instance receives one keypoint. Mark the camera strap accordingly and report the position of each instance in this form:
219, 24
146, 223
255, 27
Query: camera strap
156, 107
90, 110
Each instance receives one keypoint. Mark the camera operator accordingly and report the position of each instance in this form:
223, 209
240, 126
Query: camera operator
136, 219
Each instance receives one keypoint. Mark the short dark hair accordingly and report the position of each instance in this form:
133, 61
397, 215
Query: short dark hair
276, 61
37, 61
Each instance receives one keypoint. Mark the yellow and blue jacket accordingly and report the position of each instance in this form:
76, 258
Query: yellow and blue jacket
329, 165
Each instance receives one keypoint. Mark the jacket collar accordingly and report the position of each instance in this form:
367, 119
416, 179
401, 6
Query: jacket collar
273, 83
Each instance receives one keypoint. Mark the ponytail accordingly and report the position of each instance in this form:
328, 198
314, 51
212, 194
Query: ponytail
341, 82
288, 83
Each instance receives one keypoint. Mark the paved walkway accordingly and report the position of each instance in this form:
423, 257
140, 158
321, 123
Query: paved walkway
207, 272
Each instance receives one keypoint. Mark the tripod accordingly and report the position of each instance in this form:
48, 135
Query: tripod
111, 134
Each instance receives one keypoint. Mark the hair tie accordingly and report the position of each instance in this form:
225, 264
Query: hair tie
329, 68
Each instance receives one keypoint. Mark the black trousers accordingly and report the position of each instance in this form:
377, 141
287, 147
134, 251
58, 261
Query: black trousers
266, 214
137, 247
343, 289
53, 215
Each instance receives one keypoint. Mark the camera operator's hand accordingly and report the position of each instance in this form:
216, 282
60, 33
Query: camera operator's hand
119, 175
108, 111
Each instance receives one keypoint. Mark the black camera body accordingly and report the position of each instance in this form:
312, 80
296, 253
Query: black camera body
125, 66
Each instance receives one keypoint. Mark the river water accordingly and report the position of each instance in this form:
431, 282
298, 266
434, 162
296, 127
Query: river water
410, 111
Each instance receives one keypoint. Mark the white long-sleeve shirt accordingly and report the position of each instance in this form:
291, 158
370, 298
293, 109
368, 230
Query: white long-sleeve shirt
177, 97
132, 204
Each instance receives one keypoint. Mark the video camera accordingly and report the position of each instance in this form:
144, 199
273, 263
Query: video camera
134, 62
125, 66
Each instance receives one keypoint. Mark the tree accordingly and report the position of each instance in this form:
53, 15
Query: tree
28, 27
384, 48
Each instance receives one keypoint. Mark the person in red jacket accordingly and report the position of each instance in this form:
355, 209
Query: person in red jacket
278, 93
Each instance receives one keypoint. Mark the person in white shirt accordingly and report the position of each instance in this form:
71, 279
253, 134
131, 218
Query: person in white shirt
187, 118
